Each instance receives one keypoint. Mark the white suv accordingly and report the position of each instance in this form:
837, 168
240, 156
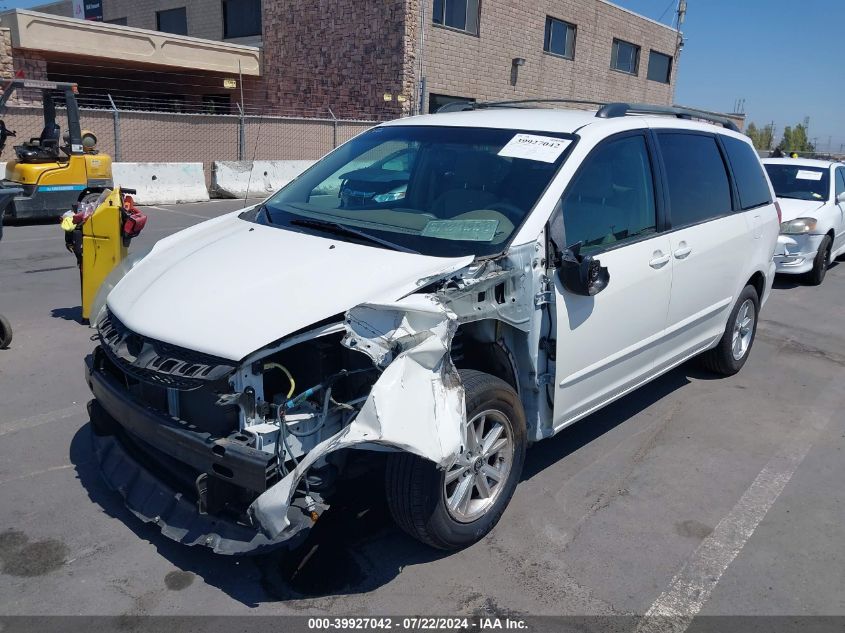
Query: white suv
512, 271
811, 194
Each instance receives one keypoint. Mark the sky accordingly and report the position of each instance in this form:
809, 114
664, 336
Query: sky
785, 58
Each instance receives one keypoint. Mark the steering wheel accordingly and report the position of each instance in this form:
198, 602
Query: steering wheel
4, 134
4, 131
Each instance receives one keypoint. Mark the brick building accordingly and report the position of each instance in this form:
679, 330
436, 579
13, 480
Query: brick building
393, 57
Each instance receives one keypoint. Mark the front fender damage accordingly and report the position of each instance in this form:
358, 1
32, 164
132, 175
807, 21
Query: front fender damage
417, 404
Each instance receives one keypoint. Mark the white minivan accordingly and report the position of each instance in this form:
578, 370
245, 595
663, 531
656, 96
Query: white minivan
429, 298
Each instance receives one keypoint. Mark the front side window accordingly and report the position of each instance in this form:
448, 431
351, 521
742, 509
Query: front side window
659, 67
696, 176
241, 18
560, 38
441, 191
458, 14
799, 182
750, 181
840, 181
625, 57
172, 21
611, 199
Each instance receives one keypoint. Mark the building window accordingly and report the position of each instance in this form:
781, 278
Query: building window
659, 67
457, 14
560, 38
172, 21
119, 21
241, 18
625, 57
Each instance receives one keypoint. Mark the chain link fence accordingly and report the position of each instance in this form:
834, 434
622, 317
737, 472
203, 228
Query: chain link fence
144, 136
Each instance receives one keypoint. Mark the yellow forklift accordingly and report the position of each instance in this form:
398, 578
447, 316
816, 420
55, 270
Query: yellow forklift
54, 170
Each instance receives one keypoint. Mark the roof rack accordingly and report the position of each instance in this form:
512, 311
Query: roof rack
462, 106
614, 110
606, 110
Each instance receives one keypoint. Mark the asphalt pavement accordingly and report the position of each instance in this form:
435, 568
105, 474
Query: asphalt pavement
699, 494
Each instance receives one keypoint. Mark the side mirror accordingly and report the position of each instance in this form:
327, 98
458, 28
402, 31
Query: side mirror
841, 198
582, 275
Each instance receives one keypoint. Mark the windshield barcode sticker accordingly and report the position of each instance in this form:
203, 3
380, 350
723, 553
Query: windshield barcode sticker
532, 147
806, 174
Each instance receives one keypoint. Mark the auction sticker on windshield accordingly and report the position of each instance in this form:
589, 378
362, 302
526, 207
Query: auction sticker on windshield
806, 174
533, 147
469, 230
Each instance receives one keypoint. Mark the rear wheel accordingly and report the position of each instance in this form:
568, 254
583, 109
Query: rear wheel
5, 332
728, 357
816, 276
454, 509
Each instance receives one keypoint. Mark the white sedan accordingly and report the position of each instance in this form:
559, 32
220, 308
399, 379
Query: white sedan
811, 194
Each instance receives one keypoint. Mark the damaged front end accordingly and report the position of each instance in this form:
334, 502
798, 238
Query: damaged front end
244, 456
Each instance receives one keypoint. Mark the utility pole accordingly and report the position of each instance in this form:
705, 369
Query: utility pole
682, 14
679, 38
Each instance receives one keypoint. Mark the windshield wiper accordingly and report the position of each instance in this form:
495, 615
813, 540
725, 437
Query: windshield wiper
341, 229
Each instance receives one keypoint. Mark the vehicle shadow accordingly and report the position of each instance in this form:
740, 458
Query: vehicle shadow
355, 546
552, 450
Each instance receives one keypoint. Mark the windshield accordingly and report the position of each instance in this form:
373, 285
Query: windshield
799, 182
443, 191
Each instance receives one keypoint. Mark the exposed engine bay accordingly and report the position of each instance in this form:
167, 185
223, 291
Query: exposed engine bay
261, 443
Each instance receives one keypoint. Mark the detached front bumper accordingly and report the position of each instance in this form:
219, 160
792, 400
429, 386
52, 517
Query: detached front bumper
795, 254
125, 466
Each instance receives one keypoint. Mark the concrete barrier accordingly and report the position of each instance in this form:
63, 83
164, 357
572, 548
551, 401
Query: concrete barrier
162, 183
260, 178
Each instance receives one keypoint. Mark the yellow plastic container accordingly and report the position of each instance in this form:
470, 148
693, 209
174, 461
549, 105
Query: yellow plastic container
102, 246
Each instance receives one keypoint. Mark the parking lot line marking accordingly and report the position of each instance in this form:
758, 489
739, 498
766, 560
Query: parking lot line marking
42, 418
44, 471
675, 608
192, 215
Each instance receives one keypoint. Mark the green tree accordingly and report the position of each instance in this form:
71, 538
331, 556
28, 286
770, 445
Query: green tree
762, 138
795, 139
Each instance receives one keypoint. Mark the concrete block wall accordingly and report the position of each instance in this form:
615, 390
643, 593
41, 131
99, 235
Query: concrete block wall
466, 65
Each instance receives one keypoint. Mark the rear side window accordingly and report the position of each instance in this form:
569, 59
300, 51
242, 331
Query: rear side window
840, 180
748, 173
696, 177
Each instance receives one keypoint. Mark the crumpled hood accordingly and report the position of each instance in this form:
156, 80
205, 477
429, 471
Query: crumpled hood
791, 208
228, 287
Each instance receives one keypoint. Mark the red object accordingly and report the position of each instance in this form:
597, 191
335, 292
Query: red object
133, 220
134, 223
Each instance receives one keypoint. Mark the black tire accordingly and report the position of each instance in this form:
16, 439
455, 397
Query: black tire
816, 276
720, 359
5, 332
416, 492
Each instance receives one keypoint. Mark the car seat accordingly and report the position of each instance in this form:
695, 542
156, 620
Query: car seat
471, 183
44, 149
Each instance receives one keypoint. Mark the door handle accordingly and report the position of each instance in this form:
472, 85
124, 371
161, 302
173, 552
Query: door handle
682, 251
659, 260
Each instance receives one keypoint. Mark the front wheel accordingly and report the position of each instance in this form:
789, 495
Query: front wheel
728, 357
820, 264
453, 509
